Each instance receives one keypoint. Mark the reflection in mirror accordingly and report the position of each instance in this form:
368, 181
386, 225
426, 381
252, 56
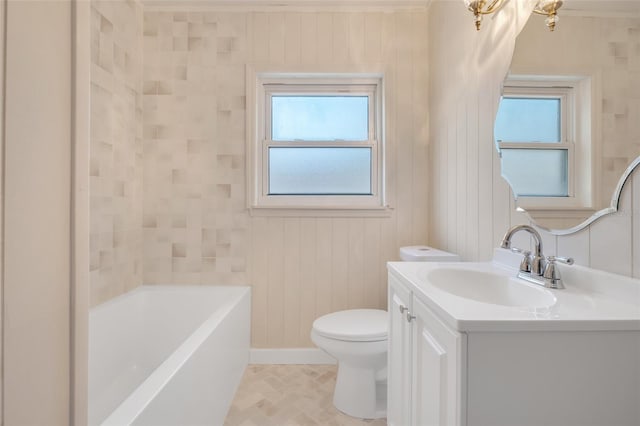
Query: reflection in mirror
568, 125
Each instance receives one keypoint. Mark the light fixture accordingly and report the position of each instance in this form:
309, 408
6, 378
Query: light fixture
482, 7
548, 8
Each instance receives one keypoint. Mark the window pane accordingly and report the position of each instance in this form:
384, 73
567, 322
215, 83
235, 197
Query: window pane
319, 171
528, 120
316, 118
536, 172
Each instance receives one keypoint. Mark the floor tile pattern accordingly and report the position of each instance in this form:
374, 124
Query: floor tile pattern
288, 395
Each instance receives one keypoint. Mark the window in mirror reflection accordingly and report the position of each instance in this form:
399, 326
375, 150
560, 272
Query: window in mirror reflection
532, 131
529, 120
537, 172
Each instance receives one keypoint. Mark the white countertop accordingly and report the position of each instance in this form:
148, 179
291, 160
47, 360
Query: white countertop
592, 300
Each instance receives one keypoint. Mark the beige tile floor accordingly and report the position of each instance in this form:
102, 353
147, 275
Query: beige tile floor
289, 395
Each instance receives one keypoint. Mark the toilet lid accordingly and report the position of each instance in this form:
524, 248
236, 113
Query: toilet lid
354, 325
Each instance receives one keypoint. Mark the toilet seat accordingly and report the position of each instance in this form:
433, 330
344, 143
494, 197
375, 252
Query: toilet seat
354, 325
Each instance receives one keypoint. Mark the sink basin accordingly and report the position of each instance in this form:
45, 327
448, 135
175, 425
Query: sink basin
489, 287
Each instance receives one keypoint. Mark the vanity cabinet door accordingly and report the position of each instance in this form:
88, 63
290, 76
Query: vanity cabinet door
437, 371
399, 356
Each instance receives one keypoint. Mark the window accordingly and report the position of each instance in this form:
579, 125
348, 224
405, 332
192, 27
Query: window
534, 136
317, 142
543, 142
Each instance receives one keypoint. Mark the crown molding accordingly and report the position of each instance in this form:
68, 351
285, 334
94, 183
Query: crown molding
284, 5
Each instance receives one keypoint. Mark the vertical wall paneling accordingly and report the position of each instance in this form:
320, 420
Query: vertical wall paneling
292, 286
472, 175
276, 38
452, 189
261, 40
308, 38
372, 35
356, 268
340, 264
420, 178
324, 38
308, 278
462, 190
324, 262
292, 38
485, 188
372, 272
259, 281
356, 43
276, 288
340, 36
404, 137
575, 246
611, 238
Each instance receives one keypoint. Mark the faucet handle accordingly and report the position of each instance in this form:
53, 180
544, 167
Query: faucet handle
565, 260
551, 273
525, 264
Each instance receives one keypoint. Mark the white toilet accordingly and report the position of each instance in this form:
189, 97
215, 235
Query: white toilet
357, 338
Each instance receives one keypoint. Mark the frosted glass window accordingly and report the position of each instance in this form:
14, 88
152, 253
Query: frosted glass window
528, 120
319, 171
537, 172
319, 118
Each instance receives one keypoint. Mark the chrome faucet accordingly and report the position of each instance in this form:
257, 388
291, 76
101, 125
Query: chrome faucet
537, 262
536, 269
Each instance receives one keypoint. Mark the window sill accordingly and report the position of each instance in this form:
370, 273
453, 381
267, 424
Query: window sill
320, 212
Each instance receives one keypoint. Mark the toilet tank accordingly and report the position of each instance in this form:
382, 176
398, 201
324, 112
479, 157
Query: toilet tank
426, 254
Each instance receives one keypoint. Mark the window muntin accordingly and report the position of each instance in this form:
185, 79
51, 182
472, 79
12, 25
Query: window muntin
533, 129
336, 162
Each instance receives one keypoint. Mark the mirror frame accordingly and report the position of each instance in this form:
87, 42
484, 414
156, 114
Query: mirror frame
612, 208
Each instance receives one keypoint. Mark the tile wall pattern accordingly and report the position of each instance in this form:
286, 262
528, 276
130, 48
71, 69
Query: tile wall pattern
195, 222
116, 148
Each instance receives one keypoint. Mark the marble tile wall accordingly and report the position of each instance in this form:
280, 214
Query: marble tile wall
116, 148
195, 222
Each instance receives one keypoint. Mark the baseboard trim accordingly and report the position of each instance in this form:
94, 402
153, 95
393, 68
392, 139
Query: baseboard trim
290, 356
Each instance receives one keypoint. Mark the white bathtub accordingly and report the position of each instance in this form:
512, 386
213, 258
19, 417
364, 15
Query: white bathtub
167, 355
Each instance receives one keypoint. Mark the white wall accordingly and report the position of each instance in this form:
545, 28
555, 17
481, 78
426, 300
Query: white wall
37, 221
472, 204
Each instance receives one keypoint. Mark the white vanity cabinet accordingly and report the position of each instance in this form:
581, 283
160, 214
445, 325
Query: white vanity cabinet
425, 364
460, 363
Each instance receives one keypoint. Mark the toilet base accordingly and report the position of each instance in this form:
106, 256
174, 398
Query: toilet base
359, 394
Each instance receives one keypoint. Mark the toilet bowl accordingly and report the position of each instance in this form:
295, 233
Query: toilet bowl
357, 338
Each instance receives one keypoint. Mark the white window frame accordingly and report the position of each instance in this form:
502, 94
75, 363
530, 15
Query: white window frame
268, 84
575, 140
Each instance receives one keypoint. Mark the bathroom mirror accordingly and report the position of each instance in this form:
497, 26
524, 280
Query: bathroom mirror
568, 125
